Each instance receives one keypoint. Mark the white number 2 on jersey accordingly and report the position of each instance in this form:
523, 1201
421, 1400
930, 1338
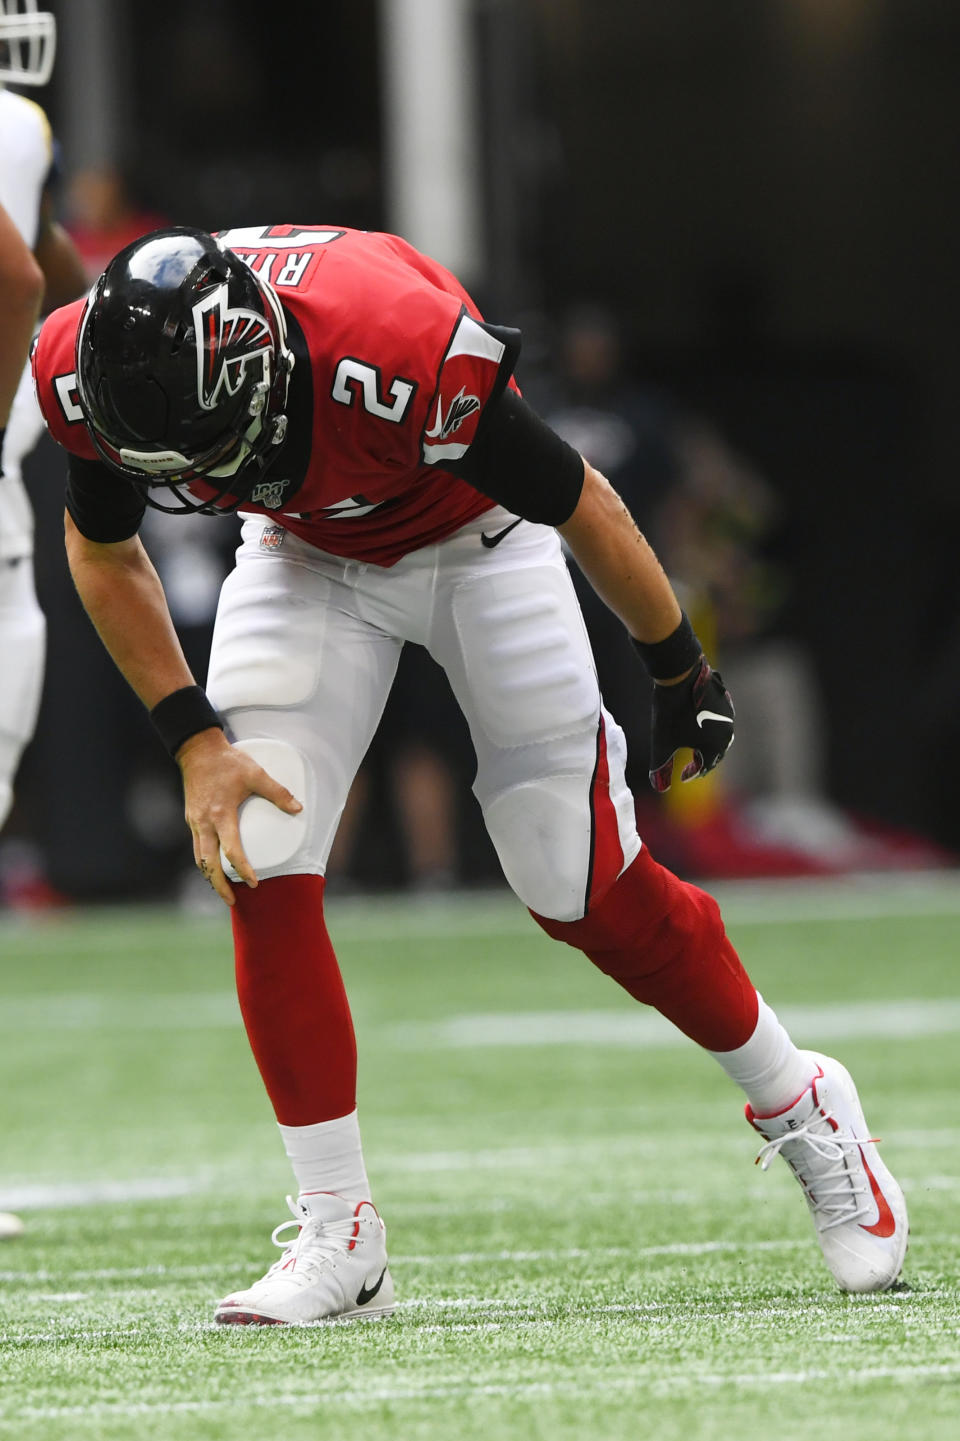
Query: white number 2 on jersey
352, 373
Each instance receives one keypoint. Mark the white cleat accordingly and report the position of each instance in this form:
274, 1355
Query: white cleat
334, 1269
858, 1209
10, 1226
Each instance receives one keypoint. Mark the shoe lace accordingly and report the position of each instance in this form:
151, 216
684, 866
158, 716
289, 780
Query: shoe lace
832, 1190
315, 1241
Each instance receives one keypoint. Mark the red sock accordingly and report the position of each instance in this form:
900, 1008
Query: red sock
663, 940
294, 1005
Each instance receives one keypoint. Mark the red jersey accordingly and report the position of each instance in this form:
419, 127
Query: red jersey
397, 366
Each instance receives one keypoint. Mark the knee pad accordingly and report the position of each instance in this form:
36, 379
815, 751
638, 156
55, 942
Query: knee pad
564, 838
541, 832
270, 837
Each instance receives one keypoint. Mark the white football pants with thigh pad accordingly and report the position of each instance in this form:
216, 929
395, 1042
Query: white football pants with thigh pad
304, 652
23, 632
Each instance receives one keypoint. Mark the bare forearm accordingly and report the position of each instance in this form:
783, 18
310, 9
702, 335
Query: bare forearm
122, 594
62, 267
619, 563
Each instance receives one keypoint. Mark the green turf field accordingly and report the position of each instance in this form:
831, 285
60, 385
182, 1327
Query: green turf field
581, 1245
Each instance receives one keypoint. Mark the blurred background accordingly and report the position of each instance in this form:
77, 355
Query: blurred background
727, 233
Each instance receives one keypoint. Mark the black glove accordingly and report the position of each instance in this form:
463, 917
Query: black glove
697, 712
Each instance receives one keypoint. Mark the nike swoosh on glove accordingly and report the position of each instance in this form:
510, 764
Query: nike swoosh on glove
697, 712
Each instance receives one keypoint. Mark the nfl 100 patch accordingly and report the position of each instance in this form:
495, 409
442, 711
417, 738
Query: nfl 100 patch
272, 537
269, 493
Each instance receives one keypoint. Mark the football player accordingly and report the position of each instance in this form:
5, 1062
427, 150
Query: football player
27, 41
21, 290
27, 44
342, 391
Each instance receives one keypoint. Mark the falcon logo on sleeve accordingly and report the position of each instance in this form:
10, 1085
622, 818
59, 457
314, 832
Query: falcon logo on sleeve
227, 342
457, 411
470, 373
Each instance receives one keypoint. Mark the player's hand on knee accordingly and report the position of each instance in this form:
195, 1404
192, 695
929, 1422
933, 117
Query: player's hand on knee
696, 712
217, 779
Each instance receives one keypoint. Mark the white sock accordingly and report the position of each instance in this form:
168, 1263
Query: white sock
769, 1068
328, 1157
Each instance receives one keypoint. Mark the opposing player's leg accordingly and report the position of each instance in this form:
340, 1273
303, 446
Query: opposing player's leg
23, 626
302, 681
551, 783
22, 645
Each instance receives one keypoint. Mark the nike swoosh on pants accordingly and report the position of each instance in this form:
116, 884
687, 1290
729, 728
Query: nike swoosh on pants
491, 540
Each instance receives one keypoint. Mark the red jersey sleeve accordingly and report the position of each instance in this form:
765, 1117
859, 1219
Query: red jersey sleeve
475, 369
55, 378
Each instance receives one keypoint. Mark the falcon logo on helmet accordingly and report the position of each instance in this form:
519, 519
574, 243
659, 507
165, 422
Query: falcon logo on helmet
228, 343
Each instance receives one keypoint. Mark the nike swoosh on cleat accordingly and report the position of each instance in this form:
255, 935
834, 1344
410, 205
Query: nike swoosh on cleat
886, 1224
705, 715
363, 1295
491, 540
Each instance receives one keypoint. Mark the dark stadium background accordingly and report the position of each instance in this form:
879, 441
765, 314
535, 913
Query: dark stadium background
764, 190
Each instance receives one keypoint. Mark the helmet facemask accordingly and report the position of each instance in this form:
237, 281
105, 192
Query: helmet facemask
28, 43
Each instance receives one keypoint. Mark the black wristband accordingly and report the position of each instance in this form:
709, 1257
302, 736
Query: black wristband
674, 655
183, 714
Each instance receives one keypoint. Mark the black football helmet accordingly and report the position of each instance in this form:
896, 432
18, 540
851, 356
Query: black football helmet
183, 369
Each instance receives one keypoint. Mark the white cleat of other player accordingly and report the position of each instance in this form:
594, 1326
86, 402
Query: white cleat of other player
334, 1269
858, 1209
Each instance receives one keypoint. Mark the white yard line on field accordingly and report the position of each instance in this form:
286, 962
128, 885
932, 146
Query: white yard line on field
115, 1273
327, 1393
70, 1195
640, 1029
576, 1253
634, 1029
438, 1258
476, 1258
55, 1197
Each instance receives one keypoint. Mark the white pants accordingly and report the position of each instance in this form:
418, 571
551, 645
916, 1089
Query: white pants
304, 653
22, 648
24, 429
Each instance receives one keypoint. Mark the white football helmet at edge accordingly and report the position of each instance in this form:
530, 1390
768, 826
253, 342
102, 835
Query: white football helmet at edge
28, 42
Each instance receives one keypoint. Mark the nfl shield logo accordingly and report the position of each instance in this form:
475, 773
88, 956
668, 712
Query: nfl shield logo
272, 537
